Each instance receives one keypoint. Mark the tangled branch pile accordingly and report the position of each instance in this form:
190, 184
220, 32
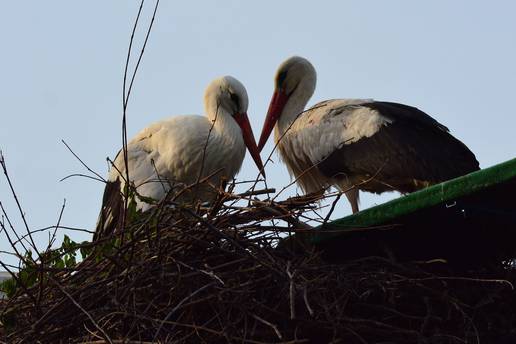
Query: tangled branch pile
216, 275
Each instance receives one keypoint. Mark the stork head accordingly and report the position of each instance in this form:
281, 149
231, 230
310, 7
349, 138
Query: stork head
294, 85
226, 96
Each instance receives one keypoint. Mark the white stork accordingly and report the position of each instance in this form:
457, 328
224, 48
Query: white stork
375, 146
178, 151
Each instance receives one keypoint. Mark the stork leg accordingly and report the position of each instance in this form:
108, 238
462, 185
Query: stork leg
353, 198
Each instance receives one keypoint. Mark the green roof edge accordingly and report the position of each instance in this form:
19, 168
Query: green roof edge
431, 196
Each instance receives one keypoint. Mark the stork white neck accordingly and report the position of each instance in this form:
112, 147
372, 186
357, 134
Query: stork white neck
224, 98
296, 104
295, 84
225, 103
225, 126
297, 78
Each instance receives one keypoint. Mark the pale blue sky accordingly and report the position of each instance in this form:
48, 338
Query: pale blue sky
61, 67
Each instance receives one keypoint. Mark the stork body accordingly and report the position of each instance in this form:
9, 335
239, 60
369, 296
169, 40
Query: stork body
176, 152
357, 144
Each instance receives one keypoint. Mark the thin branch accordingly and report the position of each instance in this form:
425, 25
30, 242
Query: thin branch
271, 325
83, 176
104, 334
98, 176
127, 93
15, 196
179, 305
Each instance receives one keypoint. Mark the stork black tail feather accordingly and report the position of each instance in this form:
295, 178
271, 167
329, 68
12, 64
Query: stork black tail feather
110, 216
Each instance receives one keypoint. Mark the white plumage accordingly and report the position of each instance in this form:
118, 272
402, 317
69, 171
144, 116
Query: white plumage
375, 146
178, 151
315, 134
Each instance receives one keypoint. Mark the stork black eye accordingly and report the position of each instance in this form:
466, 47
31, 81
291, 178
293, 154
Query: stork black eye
235, 99
281, 78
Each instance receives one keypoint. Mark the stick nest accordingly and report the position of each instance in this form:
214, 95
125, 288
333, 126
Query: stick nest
192, 275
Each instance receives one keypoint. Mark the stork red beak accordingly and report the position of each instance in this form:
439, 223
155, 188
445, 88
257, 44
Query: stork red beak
247, 133
278, 101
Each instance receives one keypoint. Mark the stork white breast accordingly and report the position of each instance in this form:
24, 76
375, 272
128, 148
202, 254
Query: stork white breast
175, 148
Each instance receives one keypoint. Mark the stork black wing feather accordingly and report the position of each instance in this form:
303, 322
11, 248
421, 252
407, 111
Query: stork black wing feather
413, 146
397, 111
110, 213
